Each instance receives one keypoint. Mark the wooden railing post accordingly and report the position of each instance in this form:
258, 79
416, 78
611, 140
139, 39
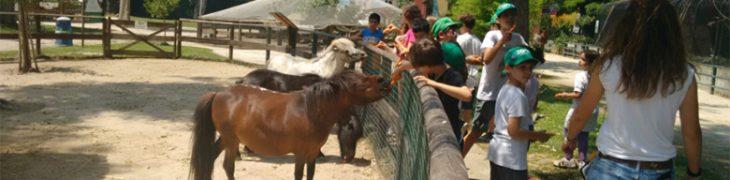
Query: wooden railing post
38, 31
178, 39
230, 42
268, 44
292, 43
314, 44
83, 28
106, 35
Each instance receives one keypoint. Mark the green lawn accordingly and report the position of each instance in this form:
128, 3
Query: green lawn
95, 51
541, 155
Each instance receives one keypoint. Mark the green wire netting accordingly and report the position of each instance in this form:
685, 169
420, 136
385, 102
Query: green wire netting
395, 126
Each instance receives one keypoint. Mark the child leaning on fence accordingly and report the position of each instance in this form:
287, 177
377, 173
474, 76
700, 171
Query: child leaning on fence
427, 58
579, 86
512, 135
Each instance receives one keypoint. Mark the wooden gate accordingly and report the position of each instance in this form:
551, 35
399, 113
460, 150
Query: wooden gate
175, 52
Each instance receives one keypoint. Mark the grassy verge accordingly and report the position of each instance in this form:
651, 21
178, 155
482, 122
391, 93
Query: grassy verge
541, 155
95, 51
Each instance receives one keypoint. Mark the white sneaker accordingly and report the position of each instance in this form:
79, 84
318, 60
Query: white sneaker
565, 163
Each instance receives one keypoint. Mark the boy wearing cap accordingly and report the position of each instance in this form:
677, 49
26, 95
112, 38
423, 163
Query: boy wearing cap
444, 30
494, 45
426, 58
508, 147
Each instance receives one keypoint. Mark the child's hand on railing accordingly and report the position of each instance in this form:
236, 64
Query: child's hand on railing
400, 68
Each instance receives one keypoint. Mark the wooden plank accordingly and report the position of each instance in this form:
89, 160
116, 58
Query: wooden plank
52, 14
106, 42
230, 47
143, 53
146, 38
49, 35
132, 37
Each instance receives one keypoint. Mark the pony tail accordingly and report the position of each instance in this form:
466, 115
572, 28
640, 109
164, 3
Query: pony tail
204, 149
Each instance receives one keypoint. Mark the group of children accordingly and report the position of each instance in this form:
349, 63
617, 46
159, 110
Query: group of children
499, 100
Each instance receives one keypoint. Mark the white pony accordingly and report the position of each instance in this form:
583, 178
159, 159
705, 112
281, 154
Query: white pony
328, 63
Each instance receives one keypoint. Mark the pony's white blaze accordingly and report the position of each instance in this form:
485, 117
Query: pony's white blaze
328, 63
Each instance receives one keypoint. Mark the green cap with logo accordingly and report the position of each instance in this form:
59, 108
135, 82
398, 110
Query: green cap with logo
518, 55
442, 25
501, 9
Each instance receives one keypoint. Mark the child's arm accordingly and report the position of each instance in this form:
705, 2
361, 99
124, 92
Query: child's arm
569, 95
461, 93
474, 59
691, 131
357, 36
489, 53
514, 131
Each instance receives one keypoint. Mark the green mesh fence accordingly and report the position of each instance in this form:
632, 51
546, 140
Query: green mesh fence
395, 126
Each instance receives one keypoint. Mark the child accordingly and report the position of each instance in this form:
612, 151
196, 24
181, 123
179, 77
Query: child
372, 34
495, 43
470, 45
579, 86
426, 58
444, 30
508, 147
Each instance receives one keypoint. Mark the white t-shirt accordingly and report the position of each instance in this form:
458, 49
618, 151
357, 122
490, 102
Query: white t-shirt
503, 150
491, 80
640, 130
580, 85
471, 46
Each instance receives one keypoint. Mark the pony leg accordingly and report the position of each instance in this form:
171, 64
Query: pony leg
229, 161
310, 169
298, 168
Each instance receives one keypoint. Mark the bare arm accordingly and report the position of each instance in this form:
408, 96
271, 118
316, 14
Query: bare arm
513, 128
489, 53
474, 59
691, 131
569, 95
462, 93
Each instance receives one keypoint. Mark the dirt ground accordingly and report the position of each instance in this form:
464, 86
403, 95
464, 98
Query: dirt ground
127, 119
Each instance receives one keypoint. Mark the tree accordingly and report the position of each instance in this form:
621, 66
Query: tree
482, 11
160, 8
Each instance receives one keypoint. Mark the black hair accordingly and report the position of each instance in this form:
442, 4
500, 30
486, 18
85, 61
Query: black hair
374, 16
420, 25
468, 20
590, 56
426, 52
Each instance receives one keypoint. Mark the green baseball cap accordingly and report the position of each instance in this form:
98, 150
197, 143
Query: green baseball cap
501, 9
442, 25
518, 55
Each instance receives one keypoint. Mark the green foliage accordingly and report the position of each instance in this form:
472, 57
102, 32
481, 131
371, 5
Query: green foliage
160, 8
571, 5
481, 9
593, 8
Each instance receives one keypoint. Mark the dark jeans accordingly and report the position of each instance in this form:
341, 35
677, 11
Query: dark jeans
498, 172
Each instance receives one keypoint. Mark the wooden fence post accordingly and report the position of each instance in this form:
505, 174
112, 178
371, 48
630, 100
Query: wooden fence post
106, 35
230, 42
314, 44
268, 44
292, 40
178, 39
38, 31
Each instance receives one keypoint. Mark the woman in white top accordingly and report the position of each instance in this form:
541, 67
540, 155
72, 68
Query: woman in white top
646, 78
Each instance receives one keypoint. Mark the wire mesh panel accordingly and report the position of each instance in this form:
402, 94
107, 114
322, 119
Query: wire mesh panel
395, 126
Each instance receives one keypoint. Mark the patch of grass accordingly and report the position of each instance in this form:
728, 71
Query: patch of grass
95, 51
541, 155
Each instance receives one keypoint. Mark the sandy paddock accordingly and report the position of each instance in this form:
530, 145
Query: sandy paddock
127, 119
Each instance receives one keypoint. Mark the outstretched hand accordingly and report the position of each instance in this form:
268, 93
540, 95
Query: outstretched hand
424, 79
544, 136
400, 67
507, 35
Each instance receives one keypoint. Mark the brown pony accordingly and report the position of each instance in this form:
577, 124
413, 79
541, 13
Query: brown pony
275, 124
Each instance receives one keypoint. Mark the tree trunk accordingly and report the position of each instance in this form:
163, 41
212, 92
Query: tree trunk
124, 9
201, 8
25, 61
523, 13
